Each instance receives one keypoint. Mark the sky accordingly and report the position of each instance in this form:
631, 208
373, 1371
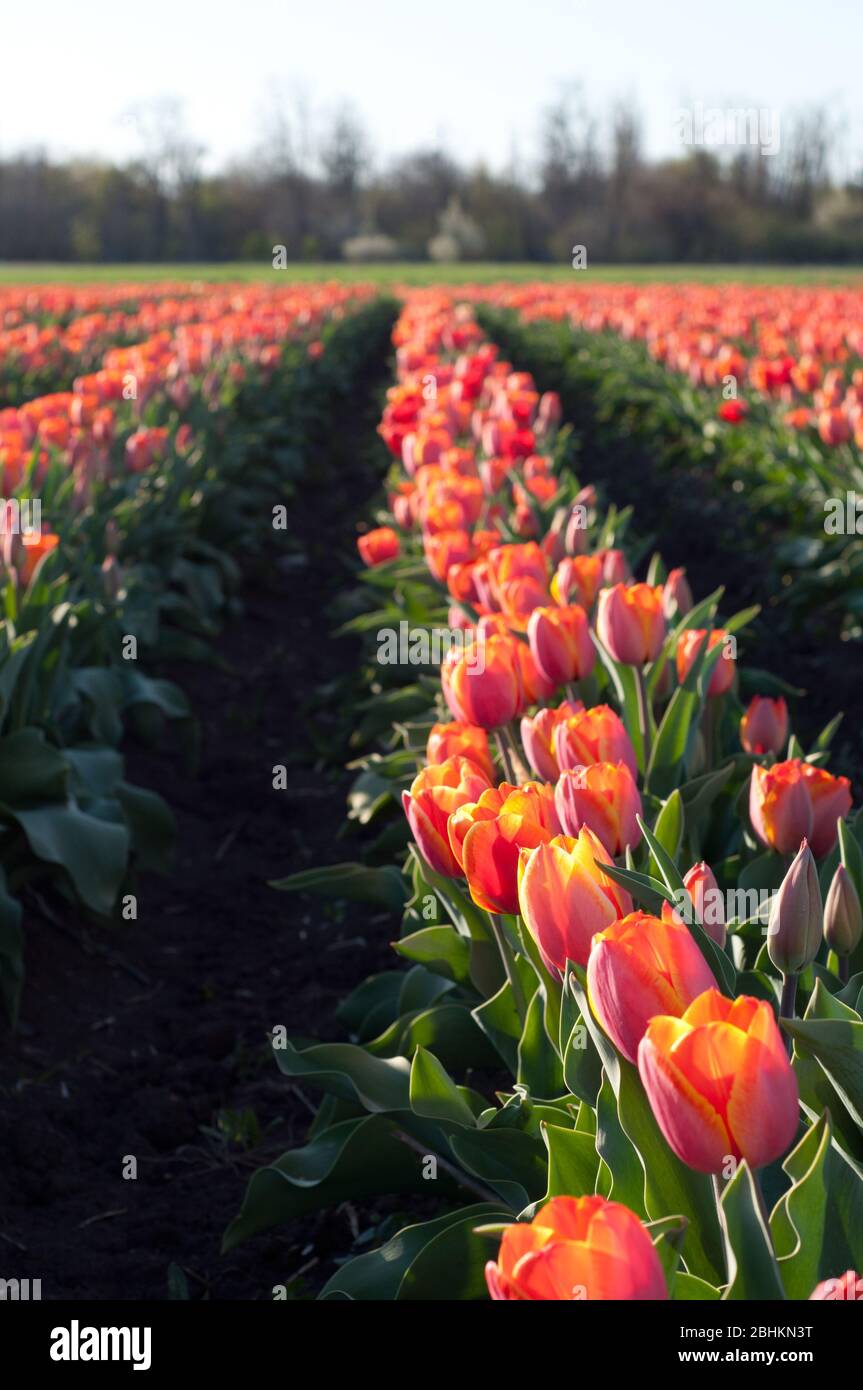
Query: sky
472, 75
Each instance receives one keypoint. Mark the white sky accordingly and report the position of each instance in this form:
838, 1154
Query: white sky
472, 73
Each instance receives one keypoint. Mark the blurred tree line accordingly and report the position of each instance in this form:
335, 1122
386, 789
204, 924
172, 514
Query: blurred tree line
322, 195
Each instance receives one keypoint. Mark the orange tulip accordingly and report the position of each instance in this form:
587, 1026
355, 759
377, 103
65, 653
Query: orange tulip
764, 726
378, 546
489, 849
594, 735
483, 684
460, 740
793, 801
639, 967
688, 647
507, 562
720, 1083
560, 643
577, 1248
577, 580
538, 735
604, 797
34, 547
631, 623
445, 549
434, 794
565, 898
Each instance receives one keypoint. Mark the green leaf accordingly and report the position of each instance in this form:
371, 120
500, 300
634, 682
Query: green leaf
31, 770
668, 830
539, 1066
93, 851
351, 1160
440, 949
434, 1095
752, 1269
382, 887
341, 1069
797, 1221
573, 1162
379, 1274
837, 1046
508, 1160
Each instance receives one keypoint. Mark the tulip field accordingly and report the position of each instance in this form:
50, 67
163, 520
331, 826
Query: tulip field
431, 858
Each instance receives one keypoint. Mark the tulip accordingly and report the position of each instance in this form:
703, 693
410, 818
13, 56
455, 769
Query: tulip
847, 1288
520, 597
490, 847
689, 646
445, 549
538, 736
378, 546
793, 801
560, 643
577, 579
577, 1248
31, 550
483, 685
843, 920
677, 598
720, 1083
460, 740
700, 883
434, 794
604, 797
564, 896
641, 966
764, 726
631, 623
595, 735
796, 916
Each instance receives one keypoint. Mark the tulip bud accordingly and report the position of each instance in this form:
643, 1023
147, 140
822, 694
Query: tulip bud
764, 726
677, 598
796, 916
843, 920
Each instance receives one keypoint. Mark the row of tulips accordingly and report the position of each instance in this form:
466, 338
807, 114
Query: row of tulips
136, 562
617, 875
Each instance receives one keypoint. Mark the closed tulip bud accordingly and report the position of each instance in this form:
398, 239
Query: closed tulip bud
720, 1083
764, 726
615, 569
564, 896
537, 737
707, 900
604, 797
594, 735
641, 966
843, 920
378, 546
434, 794
575, 536
689, 646
676, 595
561, 644
796, 916
577, 1248
630, 622
483, 685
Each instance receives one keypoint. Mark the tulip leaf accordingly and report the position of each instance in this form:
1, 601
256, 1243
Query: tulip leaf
378, 1274
499, 1019
573, 1162
382, 887
351, 1073
469, 919
450, 1029
752, 1269
440, 949
539, 1066
510, 1161
643, 887
670, 746
668, 830
797, 1221
433, 1093
353, 1159
452, 1263
582, 1070
690, 1289
667, 1236
619, 1156
837, 1046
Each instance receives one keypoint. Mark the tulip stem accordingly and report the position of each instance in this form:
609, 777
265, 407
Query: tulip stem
787, 1004
643, 714
507, 956
504, 756
844, 969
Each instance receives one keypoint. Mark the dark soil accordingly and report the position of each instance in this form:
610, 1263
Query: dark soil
134, 1043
